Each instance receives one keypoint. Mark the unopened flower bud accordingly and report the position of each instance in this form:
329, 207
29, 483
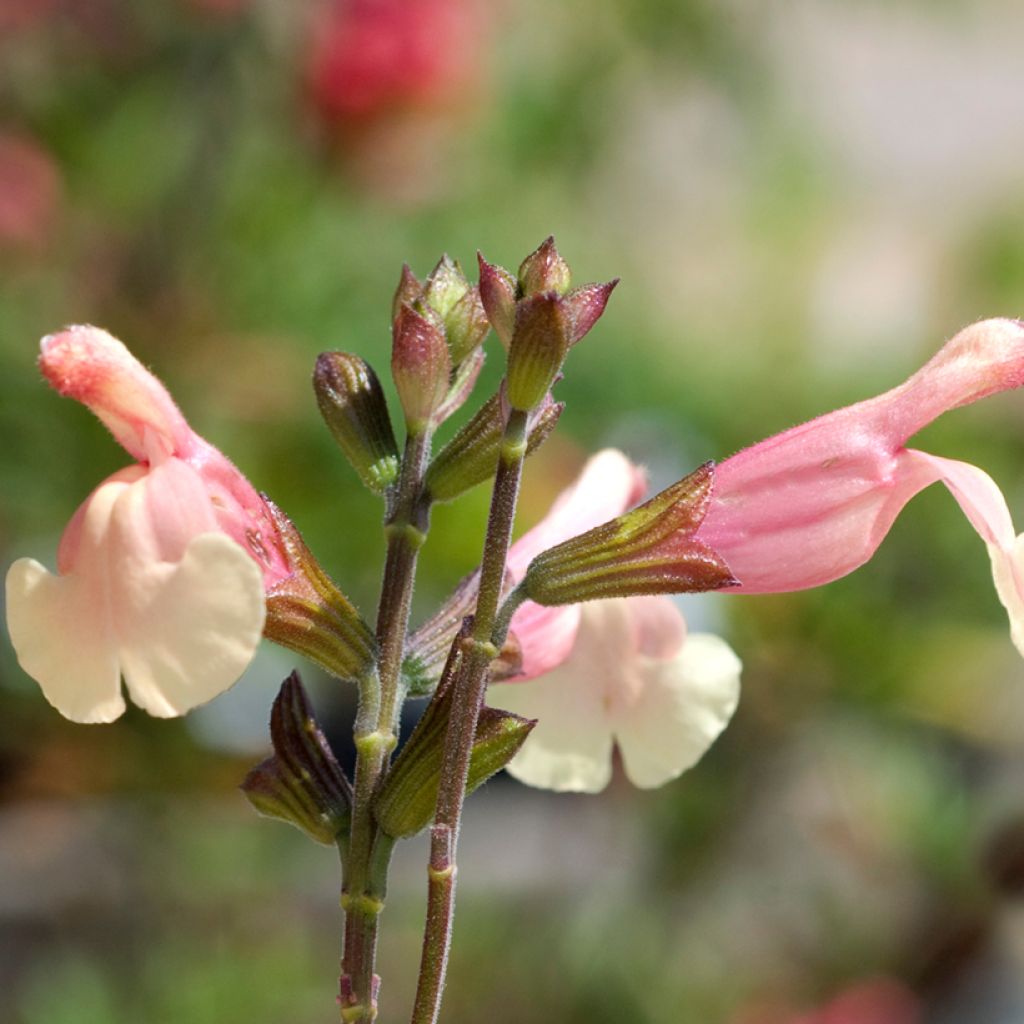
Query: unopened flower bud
445, 286
498, 294
540, 342
471, 456
650, 550
420, 363
458, 303
353, 407
301, 782
544, 270
466, 326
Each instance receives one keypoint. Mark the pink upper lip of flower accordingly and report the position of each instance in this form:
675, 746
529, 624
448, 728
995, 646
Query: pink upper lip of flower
90, 366
813, 503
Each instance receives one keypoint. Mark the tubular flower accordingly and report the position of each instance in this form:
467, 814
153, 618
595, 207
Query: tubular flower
613, 672
161, 571
813, 503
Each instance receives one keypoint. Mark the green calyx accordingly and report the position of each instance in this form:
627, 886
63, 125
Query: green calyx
652, 549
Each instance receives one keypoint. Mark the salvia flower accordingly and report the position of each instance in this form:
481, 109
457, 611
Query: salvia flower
813, 503
161, 571
610, 672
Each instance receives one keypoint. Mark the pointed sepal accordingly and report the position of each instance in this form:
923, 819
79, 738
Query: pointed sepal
498, 295
301, 782
586, 305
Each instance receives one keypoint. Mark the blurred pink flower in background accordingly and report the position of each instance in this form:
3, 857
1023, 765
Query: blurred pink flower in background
391, 82
161, 571
21, 14
874, 1001
370, 57
30, 191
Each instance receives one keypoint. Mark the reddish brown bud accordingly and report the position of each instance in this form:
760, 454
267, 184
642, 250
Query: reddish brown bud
408, 291
420, 363
544, 270
498, 294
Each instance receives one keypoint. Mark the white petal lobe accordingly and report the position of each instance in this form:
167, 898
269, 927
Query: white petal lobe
198, 630
682, 707
570, 748
63, 640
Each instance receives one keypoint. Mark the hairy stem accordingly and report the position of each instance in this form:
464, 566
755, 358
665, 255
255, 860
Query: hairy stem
478, 650
380, 703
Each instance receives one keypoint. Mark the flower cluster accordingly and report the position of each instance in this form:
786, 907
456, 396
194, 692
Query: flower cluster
558, 650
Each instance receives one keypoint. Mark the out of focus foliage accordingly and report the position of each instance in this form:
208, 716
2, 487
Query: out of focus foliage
803, 202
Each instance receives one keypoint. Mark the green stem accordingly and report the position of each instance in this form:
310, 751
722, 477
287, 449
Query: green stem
470, 683
364, 870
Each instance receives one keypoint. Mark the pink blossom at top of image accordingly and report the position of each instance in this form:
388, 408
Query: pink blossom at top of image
872, 1001
367, 58
29, 192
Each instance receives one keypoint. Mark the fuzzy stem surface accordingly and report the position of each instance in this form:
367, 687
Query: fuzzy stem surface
364, 869
478, 650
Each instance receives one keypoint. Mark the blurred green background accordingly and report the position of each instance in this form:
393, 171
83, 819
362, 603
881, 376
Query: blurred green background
803, 199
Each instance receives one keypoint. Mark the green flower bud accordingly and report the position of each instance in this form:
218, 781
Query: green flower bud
406, 802
471, 456
353, 407
301, 782
445, 286
539, 345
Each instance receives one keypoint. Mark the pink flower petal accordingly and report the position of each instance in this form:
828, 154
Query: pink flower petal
94, 368
179, 613
813, 503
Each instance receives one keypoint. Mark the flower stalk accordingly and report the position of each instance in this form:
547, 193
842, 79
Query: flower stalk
375, 735
478, 649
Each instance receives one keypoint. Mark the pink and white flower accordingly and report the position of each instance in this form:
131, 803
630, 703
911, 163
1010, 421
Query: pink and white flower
812, 504
161, 571
617, 672
798, 510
